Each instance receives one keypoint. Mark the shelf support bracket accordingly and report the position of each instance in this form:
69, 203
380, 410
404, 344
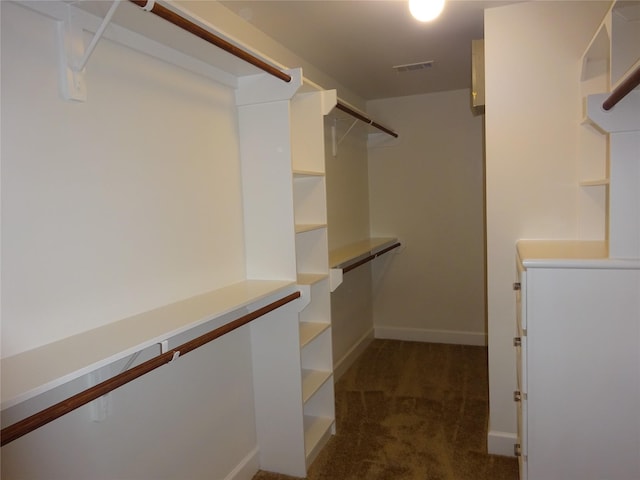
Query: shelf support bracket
334, 136
73, 55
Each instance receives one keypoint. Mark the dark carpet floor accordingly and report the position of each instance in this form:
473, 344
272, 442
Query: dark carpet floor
411, 411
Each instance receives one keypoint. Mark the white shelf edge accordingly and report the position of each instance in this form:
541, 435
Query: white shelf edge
311, 278
30, 373
309, 331
312, 380
307, 173
309, 227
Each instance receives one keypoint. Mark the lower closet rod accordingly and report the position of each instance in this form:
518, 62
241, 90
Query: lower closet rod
369, 258
37, 420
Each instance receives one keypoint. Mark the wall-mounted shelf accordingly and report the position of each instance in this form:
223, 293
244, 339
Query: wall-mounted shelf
345, 259
350, 254
36, 371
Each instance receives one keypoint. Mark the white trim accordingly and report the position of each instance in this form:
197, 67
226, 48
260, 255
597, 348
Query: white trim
342, 365
431, 336
501, 443
247, 468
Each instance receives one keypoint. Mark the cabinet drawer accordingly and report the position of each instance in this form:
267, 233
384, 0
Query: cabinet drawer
521, 363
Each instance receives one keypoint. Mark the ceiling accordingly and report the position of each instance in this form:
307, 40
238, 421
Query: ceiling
357, 42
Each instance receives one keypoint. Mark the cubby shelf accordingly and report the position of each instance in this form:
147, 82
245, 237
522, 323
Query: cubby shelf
317, 432
312, 380
310, 212
311, 330
309, 227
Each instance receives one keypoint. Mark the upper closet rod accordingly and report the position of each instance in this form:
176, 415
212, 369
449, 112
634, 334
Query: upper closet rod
37, 420
631, 82
206, 35
359, 116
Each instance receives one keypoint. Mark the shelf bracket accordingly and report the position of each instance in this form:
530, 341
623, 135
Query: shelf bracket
334, 136
74, 56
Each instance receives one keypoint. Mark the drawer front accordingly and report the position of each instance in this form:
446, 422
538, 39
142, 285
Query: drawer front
522, 435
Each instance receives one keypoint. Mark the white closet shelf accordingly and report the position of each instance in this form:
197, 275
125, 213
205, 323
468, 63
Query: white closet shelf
316, 431
349, 254
307, 173
310, 331
311, 278
30, 373
309, 227
312, 380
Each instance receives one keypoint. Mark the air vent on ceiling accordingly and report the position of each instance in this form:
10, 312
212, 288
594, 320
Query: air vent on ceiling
412, 67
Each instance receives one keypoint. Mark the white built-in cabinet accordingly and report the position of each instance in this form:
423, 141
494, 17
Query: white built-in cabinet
578, 362
578, 301
281, 145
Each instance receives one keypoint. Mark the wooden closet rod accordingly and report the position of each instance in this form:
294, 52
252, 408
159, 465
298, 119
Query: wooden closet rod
369, 258
206, 35
359, 116
622, 90
37, 420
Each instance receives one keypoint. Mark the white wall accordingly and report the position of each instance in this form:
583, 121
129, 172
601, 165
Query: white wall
348, 220
532, 68
427, 189
124, 203
113, 206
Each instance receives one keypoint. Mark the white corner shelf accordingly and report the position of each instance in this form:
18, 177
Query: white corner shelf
600, 182
317, 431
36, 371
307, 173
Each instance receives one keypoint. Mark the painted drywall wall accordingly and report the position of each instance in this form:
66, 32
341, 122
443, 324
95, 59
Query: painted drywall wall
532, 68
347, 183
238, 29
426, 188
111, 207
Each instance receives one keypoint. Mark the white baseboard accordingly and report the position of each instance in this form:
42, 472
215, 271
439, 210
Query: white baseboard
352, 354
431, 336
501, 443
247, 468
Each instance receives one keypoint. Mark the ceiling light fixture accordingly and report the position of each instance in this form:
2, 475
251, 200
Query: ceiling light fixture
426, 10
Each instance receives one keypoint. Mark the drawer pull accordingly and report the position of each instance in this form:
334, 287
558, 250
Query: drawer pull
517, 396
517, 342
517, 450
516, 286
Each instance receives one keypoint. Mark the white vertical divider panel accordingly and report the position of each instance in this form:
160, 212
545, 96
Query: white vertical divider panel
624, 195
264, 123
265, 157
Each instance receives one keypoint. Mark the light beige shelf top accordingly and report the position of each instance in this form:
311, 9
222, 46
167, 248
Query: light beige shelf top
569, 254
359, 249
33, 372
